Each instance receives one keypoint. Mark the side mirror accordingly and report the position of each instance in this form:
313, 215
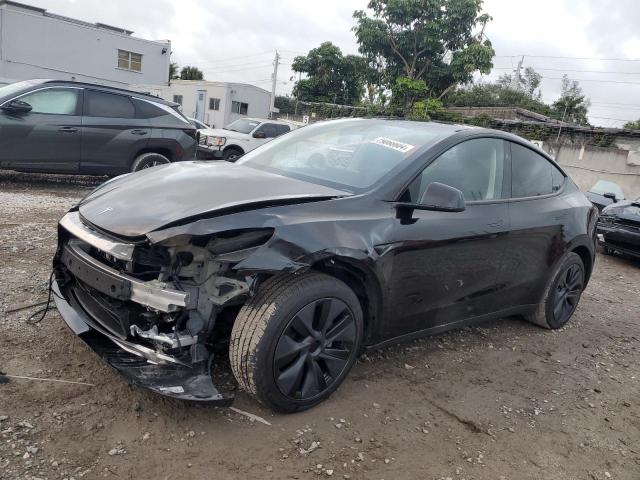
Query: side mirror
259, 134
17, 107
439, 197
611, 196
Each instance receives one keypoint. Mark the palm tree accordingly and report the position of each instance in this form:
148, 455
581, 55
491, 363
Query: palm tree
191, 73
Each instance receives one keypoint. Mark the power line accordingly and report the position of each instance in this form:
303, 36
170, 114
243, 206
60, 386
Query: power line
573, 71
593, 80
572, 58
609, 118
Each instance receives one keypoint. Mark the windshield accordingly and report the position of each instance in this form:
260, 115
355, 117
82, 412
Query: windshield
349, 154
13, 88
242, 126
604, 186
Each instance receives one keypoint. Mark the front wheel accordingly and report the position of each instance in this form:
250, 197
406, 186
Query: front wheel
293, 344
562, 294
231, 154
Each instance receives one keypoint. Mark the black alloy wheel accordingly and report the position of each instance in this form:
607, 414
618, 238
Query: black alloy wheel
314, 348
567, 293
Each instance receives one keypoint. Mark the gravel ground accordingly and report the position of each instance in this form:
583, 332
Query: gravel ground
505, 400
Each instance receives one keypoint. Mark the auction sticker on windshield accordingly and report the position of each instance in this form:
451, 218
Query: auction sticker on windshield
394, 144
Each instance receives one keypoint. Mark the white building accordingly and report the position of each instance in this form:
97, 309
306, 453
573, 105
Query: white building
37, 44
214, 103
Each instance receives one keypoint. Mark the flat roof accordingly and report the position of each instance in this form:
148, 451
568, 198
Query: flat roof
45, 13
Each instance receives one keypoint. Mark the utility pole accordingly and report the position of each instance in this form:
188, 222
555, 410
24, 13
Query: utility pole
516, 78
274, 81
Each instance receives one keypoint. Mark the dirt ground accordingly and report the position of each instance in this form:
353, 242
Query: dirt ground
506, 400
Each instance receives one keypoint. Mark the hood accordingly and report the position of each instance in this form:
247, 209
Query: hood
221, 132
135, 204
625, 210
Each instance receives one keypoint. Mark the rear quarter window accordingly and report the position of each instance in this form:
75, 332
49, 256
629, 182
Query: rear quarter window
532, 175
109, 105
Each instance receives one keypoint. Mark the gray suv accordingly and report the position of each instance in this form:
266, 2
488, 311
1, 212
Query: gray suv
69, 127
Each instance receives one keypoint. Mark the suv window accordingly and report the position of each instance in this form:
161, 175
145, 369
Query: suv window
146, 109
532, 175
54, 101
475, 167
269, 129
111, 105
282, 129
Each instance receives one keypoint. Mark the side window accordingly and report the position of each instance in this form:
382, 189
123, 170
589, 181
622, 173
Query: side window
282, 129
102, 104
214, 104
146, 109
269, 130
532, 175
475, 167
53, 101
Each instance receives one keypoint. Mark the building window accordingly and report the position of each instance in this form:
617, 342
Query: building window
239, 107
130, 61
177, 99
214, 104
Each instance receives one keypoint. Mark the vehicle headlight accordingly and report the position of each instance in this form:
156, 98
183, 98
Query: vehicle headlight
216, 141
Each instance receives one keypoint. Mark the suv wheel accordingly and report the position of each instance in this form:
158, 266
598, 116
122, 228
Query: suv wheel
148, 160
562, 295
232, 154
294, 342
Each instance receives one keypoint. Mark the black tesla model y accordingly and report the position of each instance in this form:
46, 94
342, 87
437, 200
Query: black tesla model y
338, 237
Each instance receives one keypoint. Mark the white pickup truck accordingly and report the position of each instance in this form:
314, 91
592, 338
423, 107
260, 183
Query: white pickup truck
239, 137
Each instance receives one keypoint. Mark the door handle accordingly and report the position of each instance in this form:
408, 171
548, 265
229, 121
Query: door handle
496, 223
68, 129
139, 132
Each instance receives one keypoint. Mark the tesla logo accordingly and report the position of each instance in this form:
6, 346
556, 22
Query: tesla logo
108, 209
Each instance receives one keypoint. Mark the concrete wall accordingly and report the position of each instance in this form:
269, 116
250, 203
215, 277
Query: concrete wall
257, 98
36, 44
587, 164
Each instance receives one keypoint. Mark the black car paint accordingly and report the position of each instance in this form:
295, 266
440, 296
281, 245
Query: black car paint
417, 272
598, 200
87, 144
619, 228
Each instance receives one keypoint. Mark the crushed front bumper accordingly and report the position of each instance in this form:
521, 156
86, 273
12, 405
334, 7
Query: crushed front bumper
622, 238
140, 365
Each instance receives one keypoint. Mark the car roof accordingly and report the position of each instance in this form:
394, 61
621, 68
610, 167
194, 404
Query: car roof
108, 89
254, 119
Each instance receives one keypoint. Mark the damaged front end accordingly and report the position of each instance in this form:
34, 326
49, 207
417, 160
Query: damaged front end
157, 312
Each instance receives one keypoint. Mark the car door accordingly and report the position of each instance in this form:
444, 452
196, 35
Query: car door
112, 135
48, 137
446, 264
538, 213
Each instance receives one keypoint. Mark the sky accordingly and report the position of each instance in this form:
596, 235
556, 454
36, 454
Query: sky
594, 41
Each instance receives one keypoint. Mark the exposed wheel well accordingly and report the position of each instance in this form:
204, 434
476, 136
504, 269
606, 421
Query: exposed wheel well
234, 147
585, 256
162, 151
356, 279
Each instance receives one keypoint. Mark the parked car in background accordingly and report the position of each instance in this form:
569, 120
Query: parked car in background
619, 228
240, 137
200, 126
70, 127
341, 236
604, 193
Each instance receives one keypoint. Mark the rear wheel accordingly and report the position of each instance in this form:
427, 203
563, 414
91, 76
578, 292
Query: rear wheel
562, 295
148, 160
296, 340
231, 154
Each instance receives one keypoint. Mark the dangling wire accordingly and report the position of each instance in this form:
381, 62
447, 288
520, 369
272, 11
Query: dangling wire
32, 320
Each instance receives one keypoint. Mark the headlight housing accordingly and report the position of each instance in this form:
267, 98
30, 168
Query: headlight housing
215, 141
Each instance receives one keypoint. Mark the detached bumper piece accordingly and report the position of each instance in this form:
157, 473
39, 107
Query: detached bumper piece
622, 237
140, 365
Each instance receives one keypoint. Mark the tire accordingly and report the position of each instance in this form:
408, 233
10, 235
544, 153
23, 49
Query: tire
232, 154
148, 160
274, 354
562, 294
606, 250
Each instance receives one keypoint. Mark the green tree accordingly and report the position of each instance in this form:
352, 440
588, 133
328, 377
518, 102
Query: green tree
191, 73
528, 83
633, 125
331, 76
427, 40
173, 71
572, 106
